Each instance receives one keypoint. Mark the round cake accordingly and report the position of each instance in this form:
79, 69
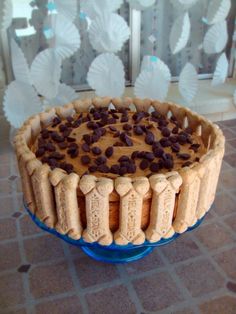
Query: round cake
122, 170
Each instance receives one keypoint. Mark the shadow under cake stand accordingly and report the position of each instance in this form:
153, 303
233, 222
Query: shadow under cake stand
113, 253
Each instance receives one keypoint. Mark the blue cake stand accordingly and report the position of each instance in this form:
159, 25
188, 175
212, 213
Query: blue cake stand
113, 253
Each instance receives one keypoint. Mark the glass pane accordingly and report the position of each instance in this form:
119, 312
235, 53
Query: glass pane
156, 24
75, 68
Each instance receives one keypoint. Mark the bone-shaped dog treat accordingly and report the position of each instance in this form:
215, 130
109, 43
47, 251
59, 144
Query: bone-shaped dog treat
43, 193
164, 189
65, 111
82, 105
142, 104
188, 198
68, 217
96, 191
47, 117
131, 203
212, 164
122, 103
101, 101
27, 189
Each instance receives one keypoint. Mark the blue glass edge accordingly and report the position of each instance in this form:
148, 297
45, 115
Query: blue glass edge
113, 246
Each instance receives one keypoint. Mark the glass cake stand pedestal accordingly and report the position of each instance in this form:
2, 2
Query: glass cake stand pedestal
113, 253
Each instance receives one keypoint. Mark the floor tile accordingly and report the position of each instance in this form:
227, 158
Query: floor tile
9, 256
43, 248
157, 291
231, 159
200, 277
229, 123
111, 300
213, 236
19, 311
92, 273
231, 222
50, 280
224, 204
232, 143
6, 206
69, 305
227, 261
4, 171
11, 290
228, 179
181, 249
5, 187
229, 134
28, 227
185, 311
7, 228
225, 304
152, 261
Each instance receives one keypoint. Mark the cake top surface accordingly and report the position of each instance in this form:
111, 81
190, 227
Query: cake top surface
113, 143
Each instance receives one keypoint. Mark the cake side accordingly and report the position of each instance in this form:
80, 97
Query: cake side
167, 202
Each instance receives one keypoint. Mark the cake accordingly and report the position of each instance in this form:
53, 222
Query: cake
119, 170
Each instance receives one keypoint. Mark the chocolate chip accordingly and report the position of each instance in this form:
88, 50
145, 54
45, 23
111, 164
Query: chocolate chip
95, 138
149, 156
116, 134
103, 168
74, 145
68, 168
175, 147
155, 114
124, 137
165, 132
62, 127
39, 152
115, 116
63, 145
56, 121
162, 123
138, 130
158, 152
112, 128
71, 139
111, 121
131, 168
186, 164
182, 139
124, 118
127, 127
166, 156
173, 118
75, 153
115, 169
124, 158
45, 134
138, 116
197, 159
189, 130
57, 137
45, 159
50, 147
144, 164
154, 167
184, 156
109, 151
87, 138
134, 154
96, 150
96, 115
168, 163
165, 142
92, 169
67, 132
56, 155
149, 138
76, 123
141, 154
53, 163
175, 130
100, 160
122, 171
195, 147
85, 159
173, 139
85, 147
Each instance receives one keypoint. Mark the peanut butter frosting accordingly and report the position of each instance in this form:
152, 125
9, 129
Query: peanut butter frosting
112, 143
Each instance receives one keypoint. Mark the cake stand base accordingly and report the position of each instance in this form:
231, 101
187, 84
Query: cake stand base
117, 256
113, 253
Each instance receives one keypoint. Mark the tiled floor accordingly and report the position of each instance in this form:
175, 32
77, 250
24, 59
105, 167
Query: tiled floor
195, 274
